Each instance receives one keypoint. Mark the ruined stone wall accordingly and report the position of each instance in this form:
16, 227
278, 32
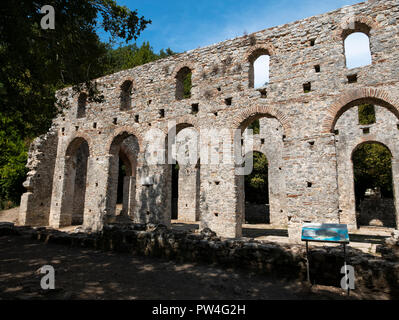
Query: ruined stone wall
308, 187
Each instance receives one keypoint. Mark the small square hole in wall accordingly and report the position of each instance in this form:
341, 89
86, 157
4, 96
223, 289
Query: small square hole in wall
366, 130
263, 93
352, 78
115, 121
336, 132
136, 118
77, 128
219, 89
317, 68
194, 108
307, 87
228, 101
284, 137
217, 182
149, 102
262, 141
311, 143
312, 42
162, 113
310, 184
95, 125
216, 114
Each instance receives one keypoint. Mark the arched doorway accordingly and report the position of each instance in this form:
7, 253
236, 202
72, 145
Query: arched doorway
261, 193
373, 187
121, 192
257, 209
183, 173
73, 202
366, 143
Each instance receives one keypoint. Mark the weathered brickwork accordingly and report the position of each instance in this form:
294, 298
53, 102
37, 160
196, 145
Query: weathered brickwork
310, 170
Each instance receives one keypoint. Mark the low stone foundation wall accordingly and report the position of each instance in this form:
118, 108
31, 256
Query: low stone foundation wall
282, 261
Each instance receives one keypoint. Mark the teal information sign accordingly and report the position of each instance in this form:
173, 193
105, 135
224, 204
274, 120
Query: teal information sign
325, 232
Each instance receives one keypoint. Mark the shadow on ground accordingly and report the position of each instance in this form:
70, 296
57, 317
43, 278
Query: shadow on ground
89, 274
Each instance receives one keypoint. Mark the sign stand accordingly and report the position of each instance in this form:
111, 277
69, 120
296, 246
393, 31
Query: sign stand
335, 233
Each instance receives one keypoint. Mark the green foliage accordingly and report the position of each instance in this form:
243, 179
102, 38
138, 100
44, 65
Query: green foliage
366, 114
34, 63
187, 86
255, 126
372, 169
131, 56
256, 184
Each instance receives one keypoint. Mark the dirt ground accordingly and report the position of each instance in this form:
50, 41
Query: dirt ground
90, 274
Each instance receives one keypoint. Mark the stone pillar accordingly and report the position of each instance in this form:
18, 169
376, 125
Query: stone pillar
311, 182
153, 193
221, 206
63, 190
187, 203
395, 179
112, 188
97, 195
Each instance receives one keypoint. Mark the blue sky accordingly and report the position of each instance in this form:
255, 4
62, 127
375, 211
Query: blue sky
184, 24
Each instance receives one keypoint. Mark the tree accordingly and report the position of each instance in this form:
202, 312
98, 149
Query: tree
35, 63
256, 184
131, 56
372, 169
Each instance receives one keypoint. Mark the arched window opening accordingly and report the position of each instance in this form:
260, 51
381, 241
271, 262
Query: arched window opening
259, 69
372, 168
183, 84
82, 101
126, 95
366, 114
357, 50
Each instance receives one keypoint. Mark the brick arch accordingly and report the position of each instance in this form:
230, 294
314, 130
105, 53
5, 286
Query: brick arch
184, 64
128, 131
359, 22
265, 48
355, 97
183, 122
250, 114
75, 141
371, 141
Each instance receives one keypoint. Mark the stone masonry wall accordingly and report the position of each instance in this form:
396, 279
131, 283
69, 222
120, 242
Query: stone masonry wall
313, 183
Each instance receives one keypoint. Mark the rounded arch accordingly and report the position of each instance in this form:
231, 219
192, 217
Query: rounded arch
182, 65
355, 24
75, 142
258, 50
247, 116
356, 97
371, 141
121, 134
